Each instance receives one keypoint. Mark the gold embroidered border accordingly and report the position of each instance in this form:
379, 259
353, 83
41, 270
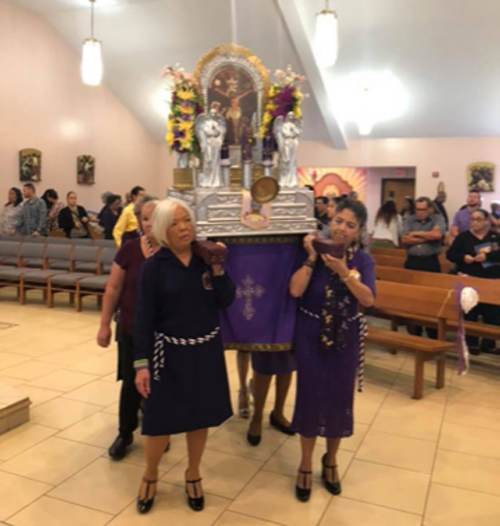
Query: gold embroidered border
260, 240
258, 347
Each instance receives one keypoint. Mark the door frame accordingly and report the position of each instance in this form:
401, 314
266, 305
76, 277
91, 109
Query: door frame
392, 180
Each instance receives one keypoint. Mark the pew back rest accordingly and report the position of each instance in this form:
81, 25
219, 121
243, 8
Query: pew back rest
487, 289
418, 300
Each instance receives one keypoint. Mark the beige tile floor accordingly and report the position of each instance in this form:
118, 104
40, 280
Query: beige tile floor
434, 462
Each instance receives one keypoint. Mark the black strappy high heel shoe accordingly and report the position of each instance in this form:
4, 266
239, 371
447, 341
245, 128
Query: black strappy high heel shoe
335, 488
144, 505
195, 503
303, 494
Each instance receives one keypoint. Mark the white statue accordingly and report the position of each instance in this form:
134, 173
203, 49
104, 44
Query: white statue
210, 130
287, 133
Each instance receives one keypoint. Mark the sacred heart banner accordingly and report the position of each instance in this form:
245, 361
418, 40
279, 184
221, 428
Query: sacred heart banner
334, 182
254, 215
262, 317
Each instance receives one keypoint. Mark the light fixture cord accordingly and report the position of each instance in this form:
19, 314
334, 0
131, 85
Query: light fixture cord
92, 2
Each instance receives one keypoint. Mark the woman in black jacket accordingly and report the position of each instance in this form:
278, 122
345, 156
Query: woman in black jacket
476, 252
73, 219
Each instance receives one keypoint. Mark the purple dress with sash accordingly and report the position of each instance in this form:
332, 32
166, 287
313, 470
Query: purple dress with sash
328, 351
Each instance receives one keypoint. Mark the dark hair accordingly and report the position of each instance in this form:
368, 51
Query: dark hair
309, 187
69, 193
135, 191
19, 196
425, 200
356, 207
322, 198
387, 212
30, 186
112, 199
49, 194
485, 213
475, 192
411, 205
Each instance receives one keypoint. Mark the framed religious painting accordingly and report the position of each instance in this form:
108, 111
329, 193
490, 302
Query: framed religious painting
481, 177
30, 165
85, 169
234, 81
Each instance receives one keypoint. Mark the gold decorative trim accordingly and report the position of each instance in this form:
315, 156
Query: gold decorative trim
260, 240
234, 49
258, 347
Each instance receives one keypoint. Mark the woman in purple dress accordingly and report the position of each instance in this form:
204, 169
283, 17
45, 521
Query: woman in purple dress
328, 342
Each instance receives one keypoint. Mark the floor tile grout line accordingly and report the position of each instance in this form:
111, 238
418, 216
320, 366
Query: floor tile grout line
410, 470
482, 457
428, 493
384, 506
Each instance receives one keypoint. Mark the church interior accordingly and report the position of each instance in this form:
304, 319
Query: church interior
282, 129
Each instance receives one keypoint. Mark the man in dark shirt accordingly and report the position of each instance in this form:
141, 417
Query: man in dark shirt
476, 252
321, 212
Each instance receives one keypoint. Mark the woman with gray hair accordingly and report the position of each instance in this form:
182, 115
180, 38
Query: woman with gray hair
179, 356
120, 293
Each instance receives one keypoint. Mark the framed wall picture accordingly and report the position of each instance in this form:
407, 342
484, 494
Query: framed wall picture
481, 177
30, 165
85, 169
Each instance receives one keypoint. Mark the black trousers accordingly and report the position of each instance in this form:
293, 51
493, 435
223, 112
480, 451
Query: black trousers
423, 264
490, 315
130, 399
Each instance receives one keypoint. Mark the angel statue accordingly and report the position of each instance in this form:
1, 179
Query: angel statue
210, 130
287, 133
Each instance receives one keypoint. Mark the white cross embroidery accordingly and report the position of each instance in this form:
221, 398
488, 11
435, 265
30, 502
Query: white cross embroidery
249, 291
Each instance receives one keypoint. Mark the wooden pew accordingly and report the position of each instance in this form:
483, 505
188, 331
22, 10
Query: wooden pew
398, 261
394, 252
411, 300
488, 290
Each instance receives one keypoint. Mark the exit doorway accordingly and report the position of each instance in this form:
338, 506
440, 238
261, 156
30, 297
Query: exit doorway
398, 190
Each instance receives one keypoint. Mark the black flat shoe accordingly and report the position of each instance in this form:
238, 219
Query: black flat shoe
254, 440
335, 488
195, 503
145, 505
167, 449
118, 449
303, 494
280, 427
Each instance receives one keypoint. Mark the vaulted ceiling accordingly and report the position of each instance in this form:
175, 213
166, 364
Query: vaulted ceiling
445, 53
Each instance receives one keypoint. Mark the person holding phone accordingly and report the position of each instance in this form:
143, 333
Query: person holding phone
328, 341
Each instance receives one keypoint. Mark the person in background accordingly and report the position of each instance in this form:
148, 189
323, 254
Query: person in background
179, 355
120, 292
439, 204
104, 200
128, 198
476, 252
320, 213
73, 219
461, 221
495, 216
54, 207
408, 208
328, 343
126, 226
33, 220
330, 211
11, 213
423, 234
388, 226
109, 215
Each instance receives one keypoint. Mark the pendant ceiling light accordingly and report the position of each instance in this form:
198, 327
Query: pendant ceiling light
92, 55
326, 39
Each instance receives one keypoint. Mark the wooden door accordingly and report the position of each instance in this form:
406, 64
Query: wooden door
397, 189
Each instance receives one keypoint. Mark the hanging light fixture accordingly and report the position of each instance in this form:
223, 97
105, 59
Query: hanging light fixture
92, 55
326, 39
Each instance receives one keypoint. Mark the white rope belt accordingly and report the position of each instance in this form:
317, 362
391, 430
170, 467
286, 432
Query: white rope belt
161, 339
